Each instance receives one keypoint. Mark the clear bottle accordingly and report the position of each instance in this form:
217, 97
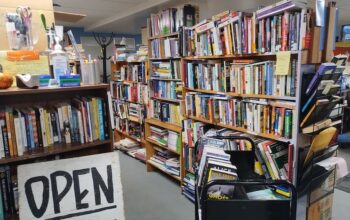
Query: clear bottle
59, 61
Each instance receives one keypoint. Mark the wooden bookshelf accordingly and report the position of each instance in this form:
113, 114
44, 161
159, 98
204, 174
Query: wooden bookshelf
238, 56
162, 146
56, 149
119, 135
169, 126
167, 100
258, 96
47, 90
164, 58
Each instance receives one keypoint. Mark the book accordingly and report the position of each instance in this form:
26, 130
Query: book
220, 192
324, 69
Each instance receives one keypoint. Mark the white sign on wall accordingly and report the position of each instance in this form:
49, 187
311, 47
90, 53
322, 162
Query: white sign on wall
78, 188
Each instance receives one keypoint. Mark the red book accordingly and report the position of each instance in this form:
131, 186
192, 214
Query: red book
263, 35
285, 30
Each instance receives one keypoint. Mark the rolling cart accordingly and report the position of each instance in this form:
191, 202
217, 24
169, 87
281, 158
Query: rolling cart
242, 208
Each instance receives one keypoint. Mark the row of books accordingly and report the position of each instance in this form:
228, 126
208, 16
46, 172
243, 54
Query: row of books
258, 116
131, 92
82, 120
166, 70
131, 148
165, 48
241, 77
131, 128
127, 110
132, 72
166, 161
233, 32
9, 195
169, 20
166, 112
165, 89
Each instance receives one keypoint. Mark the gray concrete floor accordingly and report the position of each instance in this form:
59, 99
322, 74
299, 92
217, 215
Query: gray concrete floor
151, 196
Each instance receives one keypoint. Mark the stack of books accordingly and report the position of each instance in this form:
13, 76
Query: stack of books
267, 30
132, 148
215, 164
82, 120
188, 186
165, 89
166, 161
169, 20
8, 192
159, 135
166, 112
166, 70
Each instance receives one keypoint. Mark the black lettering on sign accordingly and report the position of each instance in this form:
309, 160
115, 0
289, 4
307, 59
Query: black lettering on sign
57, 197
100, 184
37, 212
79, 196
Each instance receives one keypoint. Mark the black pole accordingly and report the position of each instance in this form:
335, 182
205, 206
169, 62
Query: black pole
104, 54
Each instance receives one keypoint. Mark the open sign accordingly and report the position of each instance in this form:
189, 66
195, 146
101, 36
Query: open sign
84, 187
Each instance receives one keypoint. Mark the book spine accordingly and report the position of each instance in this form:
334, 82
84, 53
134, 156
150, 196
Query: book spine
18, 132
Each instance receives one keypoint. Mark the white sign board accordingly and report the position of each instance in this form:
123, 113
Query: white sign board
78, 188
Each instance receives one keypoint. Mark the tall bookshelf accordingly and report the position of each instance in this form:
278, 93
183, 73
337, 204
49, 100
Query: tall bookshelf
130, 90
165, 84
13, 100
236, 53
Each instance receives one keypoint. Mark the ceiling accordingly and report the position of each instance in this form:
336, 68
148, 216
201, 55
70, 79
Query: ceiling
128, 16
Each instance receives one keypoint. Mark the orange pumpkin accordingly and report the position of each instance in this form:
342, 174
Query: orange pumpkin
6, 80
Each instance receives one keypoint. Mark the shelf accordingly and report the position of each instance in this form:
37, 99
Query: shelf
41, 90
287, 98
167, 100
165, 58
131, 137
174, 34
234, 56
161, 79
134, 119
269, 136
167, 125
51, 151
163, 170
162, 146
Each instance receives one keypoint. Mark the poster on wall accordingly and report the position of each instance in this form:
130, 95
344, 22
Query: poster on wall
78, 188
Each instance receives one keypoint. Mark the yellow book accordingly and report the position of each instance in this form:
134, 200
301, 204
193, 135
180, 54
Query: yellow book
96, 123
320, 142
230, 38
47, 128
198, 106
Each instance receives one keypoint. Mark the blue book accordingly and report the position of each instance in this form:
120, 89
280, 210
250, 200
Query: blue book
100, 119
324, 69
31, 132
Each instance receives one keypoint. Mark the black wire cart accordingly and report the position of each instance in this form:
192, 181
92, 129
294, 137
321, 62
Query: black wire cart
242, 208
